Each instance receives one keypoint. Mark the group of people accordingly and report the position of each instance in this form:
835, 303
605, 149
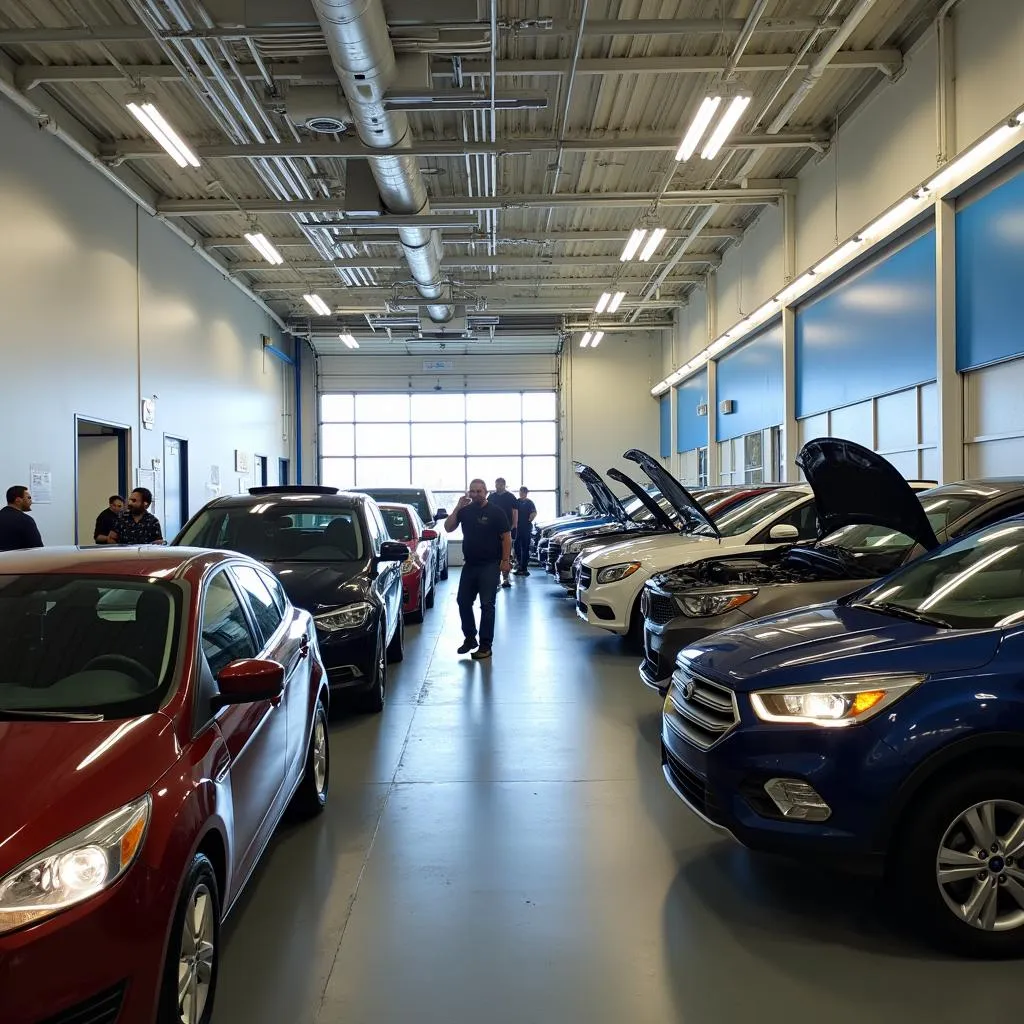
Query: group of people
116, 524
491, 524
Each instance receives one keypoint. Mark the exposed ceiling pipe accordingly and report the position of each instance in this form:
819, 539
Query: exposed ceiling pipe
364, 59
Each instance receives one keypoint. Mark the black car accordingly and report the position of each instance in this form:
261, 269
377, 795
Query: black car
870, 522
334, 557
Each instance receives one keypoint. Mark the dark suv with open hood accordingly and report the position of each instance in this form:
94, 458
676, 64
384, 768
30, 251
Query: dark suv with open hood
870, 522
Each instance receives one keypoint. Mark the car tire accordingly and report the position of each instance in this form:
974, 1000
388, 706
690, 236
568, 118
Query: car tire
941, 821
417, 616
396, 649
311, 796
371, 700
444, 568
195, 947
635, 636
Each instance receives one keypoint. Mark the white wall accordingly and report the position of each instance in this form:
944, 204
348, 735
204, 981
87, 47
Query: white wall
102, 305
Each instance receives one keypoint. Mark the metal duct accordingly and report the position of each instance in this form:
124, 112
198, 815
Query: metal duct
364, 59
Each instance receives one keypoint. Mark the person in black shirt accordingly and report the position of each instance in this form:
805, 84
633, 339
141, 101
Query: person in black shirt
506, 501
106, 519
527, 513
18, 529
486, 552
136, 524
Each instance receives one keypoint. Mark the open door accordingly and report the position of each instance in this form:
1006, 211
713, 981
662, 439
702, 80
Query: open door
101, 471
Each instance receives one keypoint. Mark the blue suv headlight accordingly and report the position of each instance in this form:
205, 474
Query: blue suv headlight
835, 702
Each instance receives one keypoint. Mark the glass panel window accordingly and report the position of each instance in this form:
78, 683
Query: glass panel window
438, 408
226, 636
540, 405
494, 438
546, 503
540, 472
337, 439
440, 474
438, 439
382, 439
489, 469
336, 408
382, 473
382, 408
340, 473
264, 608
539, 439
494, 407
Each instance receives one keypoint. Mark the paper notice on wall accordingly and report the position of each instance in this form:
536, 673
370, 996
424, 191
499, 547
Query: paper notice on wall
40, 483
146, 478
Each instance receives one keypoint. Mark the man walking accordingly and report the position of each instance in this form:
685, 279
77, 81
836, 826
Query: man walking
486, 552
136, 524
506, 501
18, 529
526, 513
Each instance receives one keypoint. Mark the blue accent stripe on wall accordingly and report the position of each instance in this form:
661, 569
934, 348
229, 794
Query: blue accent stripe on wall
751, 376
691, 429
871, 334
990, 277
665, 412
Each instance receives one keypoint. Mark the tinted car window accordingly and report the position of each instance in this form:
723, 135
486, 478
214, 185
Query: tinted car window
264, 607
753, 514
276, 591
281, 532
226, 636
399, 525
416, 498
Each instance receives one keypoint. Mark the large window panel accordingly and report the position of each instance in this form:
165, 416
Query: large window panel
443, 408
489, 469
374, 408
540, 405
546, 504
337, 439
440, 474
540, 472
540, 439
339, 473
382, 438
439, 438
494, 438
382, 473
494, 407
337, 408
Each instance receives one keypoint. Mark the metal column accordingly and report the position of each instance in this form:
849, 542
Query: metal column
950, 382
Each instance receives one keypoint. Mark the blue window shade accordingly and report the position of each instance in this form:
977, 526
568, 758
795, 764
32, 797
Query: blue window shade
751, 376
691, 429
665, 412
872, 333
990, 277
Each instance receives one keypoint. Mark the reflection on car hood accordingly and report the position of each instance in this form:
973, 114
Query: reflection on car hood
60, 776
825, 641
691, 513
645, 498
656, 550
317, 587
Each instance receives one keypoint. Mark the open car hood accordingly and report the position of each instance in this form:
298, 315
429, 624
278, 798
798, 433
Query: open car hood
600, 492
690, 513
660, 518
853, 485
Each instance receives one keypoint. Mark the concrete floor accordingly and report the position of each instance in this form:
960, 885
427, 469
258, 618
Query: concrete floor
500, 848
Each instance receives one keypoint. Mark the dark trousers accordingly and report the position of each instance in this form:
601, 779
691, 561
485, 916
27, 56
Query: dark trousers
522, 544
478, 581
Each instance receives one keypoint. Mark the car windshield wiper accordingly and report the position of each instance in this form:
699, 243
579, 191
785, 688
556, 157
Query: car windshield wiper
30, 713
901, 612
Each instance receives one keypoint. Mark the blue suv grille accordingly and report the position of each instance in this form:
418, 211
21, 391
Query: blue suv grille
699, 710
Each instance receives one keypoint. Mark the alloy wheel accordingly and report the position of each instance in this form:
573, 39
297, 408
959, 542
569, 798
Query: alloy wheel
319, 754
980, 866
195, 956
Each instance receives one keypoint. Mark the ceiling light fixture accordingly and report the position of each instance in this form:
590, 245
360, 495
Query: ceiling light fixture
836, 259
145, 112
596, 340
616, 302
349, 341
318, 304
892, 219
691, 140
261, 244
724, 127
652, 243
634, 242
585, 340
602, 303
957, 171
796, 289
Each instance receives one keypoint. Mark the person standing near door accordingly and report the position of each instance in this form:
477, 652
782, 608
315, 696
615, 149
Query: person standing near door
506, 501
136, 524
18, 529
486, 552
526, 513
106, 519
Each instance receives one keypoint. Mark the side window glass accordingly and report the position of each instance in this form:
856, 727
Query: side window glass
226, 635
805, 520
1004, 511
378, 531
273, 584
264, 608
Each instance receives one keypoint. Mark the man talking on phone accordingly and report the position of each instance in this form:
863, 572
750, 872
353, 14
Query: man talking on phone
486, 554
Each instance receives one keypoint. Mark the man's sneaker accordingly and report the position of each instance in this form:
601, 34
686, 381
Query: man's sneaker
506, 583
467, 645
480, 653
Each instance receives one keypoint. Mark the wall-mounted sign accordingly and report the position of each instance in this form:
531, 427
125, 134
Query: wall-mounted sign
438, 365
242, 462
40, 483
148, 413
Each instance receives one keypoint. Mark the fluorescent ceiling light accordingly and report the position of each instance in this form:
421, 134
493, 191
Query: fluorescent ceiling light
602, 303
615, 303
261, 244
695, 132
973, 160
318, 304
585, 340
891, 220
349, 341
635, 240
718, 345
837, 258
724, 127
156, 124
598, 335
652, 243
763, 312
794, 290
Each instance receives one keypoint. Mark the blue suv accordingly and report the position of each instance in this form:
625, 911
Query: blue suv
882, 729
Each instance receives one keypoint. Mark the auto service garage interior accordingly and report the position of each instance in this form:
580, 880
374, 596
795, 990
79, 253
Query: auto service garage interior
386, 244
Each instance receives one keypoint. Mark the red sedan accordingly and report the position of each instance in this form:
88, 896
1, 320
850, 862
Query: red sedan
419, 574
160, 709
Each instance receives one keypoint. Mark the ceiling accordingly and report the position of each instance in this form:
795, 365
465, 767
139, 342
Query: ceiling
535, 185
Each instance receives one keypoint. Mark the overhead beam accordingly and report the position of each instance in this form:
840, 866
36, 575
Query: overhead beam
462, 204
458, 262
631, 286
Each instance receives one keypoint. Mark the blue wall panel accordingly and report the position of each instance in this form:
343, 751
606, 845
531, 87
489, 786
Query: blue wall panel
751, 376
872, 333
665, 414
691, 429
990, 276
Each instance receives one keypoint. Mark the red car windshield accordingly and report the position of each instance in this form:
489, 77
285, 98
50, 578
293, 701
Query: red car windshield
87, 645
398, 523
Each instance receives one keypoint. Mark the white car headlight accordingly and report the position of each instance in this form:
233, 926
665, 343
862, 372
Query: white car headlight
349, 617
614, 573
74, 869
838, 702
699, 606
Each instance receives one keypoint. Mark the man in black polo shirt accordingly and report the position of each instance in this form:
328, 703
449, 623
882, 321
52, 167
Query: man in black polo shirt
486, 552
506, 501
106, 519
18, 529
527, 514
136, 524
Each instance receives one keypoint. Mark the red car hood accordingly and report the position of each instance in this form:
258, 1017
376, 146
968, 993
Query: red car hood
58, 777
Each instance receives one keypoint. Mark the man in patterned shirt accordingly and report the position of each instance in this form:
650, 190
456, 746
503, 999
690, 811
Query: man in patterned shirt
136, 524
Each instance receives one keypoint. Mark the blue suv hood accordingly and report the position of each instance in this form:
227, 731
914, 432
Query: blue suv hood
826, 641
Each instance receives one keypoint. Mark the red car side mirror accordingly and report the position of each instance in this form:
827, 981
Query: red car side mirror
249, 680
428, 535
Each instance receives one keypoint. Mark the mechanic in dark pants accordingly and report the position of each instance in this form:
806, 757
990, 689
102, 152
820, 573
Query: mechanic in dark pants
506, 501
486, 553
527, 514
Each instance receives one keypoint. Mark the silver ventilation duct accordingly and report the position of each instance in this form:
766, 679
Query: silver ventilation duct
364, 59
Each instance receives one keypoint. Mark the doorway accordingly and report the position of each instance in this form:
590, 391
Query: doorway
175, 486
259, 470
283, 472
101, 470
